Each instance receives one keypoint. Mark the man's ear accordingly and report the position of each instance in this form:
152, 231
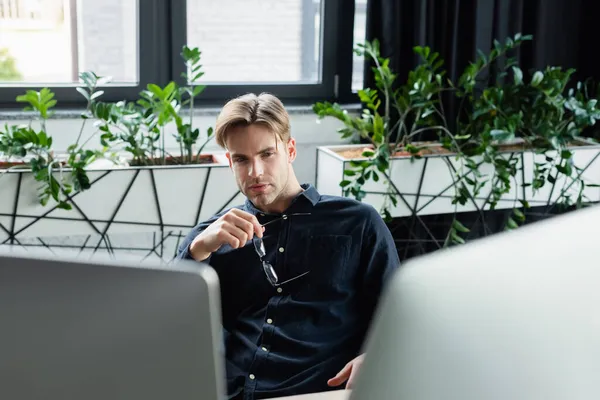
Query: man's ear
291, 149
228, 155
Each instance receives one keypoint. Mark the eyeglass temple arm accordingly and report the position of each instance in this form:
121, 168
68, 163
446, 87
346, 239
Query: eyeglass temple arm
289, 215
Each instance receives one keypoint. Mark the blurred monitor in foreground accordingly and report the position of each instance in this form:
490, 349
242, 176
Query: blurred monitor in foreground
512, 316
74, 330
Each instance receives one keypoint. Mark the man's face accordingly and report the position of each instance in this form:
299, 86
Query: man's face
260, 163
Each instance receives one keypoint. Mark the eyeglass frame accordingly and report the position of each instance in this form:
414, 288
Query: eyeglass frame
259, 247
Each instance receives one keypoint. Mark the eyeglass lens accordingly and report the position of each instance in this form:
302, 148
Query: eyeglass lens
259, 246
271, 275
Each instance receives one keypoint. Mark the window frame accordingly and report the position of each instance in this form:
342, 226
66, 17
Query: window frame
162, 31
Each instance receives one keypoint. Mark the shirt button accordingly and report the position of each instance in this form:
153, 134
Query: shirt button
284, 216
264, 348
279, 290
252, 377
281, 249
269, 321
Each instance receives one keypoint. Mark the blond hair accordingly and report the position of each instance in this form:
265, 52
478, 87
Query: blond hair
248, 109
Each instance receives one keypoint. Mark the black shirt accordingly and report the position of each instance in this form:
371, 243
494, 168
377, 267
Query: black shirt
287, 340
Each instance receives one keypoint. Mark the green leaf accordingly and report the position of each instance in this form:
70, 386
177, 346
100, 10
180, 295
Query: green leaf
526, 37
345, 183
518, 75
519, 215
565, 169
538, 77
83, 92
368, 153
378, 129
455, 238
97, 94
566, 154
459, 226
48, 105
169, 89
511, 223
360, 194
198, 89
483, 57
156, 90
501, 135
64, 205
387, 217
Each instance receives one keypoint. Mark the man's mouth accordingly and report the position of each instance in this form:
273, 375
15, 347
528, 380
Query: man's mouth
259, 187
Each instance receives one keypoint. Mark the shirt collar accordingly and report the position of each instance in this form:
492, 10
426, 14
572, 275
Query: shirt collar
309, 194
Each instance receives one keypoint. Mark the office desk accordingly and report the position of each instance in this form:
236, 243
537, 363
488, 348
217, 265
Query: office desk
333, 395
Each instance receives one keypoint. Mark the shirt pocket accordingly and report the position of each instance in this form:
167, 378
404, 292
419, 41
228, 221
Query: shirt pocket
326, 258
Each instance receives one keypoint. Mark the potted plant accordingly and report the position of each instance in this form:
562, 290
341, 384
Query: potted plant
139, 128
144, 187
514, 143
25, 147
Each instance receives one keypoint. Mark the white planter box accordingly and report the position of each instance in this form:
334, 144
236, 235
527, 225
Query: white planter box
426, 184
121, 201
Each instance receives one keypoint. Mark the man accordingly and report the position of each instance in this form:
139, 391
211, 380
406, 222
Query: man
300, 273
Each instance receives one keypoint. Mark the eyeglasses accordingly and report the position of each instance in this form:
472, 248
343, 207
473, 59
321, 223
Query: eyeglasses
259, 246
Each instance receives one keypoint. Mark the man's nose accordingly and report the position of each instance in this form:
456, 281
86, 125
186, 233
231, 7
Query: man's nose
256, 168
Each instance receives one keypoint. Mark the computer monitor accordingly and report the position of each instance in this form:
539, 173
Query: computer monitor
74, 330
511, 316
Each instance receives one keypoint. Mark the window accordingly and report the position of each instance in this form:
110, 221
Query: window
48, 42
297, 49
360, 34
267, 41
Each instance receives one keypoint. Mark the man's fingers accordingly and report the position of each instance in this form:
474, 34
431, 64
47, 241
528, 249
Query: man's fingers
351, 379
341, 376
238, 220
240, 234
244, 225
258, 228
356, 366
227, 237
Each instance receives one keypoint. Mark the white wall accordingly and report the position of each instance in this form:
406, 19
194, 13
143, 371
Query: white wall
307, 131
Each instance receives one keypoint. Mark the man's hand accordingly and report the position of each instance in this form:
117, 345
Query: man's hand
348, 373
235, 228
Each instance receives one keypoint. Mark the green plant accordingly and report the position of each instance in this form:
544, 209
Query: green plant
58, 176
187, 136
542, 114
138, 128
141, 126
8, 67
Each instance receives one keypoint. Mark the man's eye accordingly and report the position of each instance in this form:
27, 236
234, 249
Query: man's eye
268, 154
239, 160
